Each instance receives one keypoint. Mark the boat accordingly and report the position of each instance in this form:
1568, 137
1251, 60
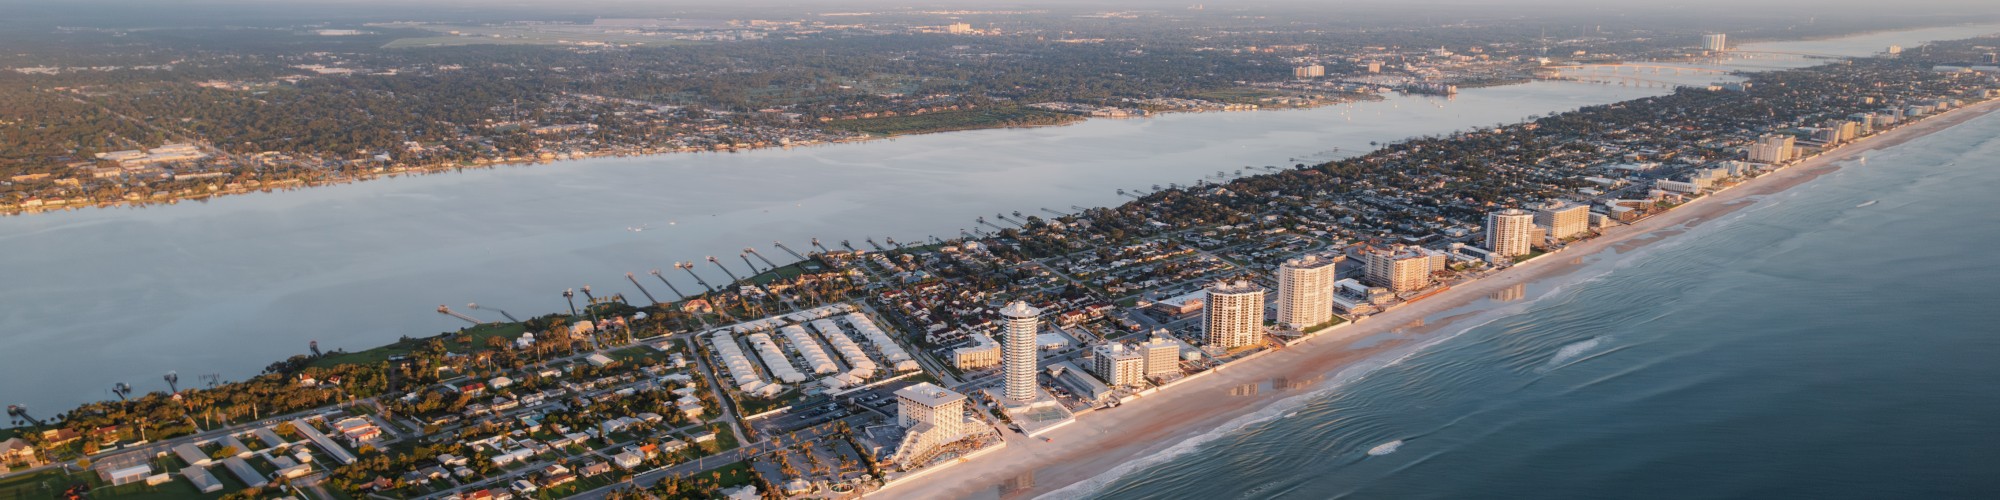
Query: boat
1869, 202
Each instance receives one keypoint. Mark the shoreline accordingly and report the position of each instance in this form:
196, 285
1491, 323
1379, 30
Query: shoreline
1104, 445
275, 186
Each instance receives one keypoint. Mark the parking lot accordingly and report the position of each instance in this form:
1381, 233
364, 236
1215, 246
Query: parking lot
878, 401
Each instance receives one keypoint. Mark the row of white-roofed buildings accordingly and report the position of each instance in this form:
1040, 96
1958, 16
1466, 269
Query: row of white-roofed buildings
809, 347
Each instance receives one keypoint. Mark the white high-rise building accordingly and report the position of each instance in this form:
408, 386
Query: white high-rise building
1510, 232
1233, 314
1018, 349
1563, 219
1715, 42
932, 416
1402, 268
1305, 291
1119, 366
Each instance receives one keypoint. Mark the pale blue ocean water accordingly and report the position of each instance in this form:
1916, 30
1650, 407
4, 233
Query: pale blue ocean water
1838, 340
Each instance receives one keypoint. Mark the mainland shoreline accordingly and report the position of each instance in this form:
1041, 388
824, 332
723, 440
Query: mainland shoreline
1099, 443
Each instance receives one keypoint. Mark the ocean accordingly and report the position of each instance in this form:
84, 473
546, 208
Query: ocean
1836, 340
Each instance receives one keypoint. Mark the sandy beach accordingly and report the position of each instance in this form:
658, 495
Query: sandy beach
1102, 441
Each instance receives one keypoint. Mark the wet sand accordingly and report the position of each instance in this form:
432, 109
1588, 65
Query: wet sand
1102, 441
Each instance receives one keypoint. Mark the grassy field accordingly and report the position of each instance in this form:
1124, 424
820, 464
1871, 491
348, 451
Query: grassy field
753, 406
474, 339
47, 484
724, 438
947, 121
642, 355
582, 484
787, 271
1336, 321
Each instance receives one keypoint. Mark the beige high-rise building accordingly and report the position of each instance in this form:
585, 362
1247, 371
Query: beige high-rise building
983, 353
1309, 71
1402, 268
1119, 366
1563, 219
1018, 349
1510, 232
1232, 316
932, 416
1163, 357
1774, 149
1715, 42
1305, 291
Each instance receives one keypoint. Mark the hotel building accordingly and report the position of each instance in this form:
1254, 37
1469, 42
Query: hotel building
1119, 366
1018, 351
1510, 232
931, 417
1305, 291
1402, 268
1233, 314
1563, 220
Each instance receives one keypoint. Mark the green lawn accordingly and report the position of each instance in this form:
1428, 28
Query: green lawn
727, 476
1336, 321
753, 406
642, 355
46, 485
724, 439
782, 272
475, 340
581, 484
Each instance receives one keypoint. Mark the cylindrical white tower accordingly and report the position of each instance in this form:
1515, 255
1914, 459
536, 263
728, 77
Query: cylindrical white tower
1018, 350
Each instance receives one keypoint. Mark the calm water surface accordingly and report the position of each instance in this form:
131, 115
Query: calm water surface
229, 285
106, 295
